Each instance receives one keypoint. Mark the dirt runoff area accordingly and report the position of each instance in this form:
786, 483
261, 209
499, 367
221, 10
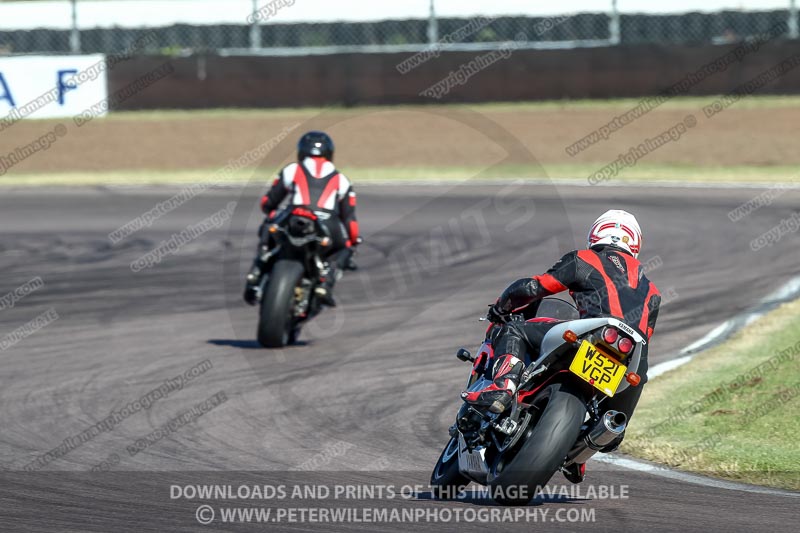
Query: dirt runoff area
435, 136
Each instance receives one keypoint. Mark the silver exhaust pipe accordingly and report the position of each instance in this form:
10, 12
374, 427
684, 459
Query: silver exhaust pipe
610, 426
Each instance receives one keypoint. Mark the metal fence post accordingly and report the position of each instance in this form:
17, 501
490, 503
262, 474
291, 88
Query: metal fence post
433, 25
793, 29
613, 24
255, 29
74, 34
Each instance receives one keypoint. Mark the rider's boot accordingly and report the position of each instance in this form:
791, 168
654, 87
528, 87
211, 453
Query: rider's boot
347, 259
251, 283
497, 397
575, 473
253, 278
324, 290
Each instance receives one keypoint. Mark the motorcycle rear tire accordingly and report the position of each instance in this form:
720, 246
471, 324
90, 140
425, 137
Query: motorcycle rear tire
276, 323
543, 450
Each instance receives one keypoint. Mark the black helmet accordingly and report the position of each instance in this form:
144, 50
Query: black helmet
315, 144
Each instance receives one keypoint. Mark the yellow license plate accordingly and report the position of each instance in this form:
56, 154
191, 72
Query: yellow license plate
597, 369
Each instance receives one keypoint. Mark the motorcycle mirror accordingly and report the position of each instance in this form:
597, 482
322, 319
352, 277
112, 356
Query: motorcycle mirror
464, 355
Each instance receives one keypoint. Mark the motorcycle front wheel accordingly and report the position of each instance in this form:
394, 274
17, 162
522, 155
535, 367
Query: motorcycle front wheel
446, 480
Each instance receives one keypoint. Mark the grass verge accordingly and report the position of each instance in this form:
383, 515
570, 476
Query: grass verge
622, 104
732, 411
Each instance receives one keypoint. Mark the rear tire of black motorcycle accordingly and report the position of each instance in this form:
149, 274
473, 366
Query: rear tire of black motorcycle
275, 323
543, 452
446, 480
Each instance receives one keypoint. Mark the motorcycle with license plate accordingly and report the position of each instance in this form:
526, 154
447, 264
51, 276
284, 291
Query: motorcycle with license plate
557, 417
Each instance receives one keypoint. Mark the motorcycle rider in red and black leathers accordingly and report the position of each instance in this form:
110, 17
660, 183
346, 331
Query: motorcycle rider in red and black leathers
313, 183
605, 280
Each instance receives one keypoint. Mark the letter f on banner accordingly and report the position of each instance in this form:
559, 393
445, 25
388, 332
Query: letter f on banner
64, 87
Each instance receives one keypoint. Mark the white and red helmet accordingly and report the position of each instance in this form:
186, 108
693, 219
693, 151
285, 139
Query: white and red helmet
617, 228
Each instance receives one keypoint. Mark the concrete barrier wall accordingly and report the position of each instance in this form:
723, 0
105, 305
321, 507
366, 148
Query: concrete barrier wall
373, 79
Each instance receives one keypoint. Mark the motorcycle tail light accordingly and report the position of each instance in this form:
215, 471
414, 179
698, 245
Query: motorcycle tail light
305, 213
625, 345
610, 335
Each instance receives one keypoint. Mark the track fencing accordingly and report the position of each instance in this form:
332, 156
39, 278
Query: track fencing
267, 28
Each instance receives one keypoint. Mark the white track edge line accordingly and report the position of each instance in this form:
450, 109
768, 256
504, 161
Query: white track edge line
695, 479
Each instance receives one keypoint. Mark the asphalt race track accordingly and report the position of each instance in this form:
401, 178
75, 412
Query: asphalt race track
368, 395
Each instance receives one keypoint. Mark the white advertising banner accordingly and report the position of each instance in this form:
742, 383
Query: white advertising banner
50, 86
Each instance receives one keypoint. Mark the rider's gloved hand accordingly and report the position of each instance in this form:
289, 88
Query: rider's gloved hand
497, 315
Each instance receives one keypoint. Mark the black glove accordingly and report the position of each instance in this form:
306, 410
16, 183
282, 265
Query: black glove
497, 315
350, 262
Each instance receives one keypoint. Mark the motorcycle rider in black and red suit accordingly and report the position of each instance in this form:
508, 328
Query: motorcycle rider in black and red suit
313, 183
605, 280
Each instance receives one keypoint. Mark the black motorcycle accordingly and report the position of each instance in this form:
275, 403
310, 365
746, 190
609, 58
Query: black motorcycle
558, 417
293, 267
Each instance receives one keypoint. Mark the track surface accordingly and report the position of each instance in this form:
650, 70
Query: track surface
374, 386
